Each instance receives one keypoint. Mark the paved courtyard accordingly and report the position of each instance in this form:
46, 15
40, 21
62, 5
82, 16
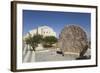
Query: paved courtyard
45, 55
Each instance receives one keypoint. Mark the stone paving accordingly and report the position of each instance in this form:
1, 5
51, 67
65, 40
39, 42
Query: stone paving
45, 55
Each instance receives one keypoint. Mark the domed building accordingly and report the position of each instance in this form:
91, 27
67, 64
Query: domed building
42, 30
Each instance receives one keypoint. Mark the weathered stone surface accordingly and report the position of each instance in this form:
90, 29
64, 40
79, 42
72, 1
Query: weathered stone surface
72, 39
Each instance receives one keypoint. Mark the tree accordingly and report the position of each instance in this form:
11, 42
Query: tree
37, 38
49, 40
34, 41
28, 40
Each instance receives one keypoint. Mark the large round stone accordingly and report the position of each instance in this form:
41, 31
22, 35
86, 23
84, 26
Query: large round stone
72, 39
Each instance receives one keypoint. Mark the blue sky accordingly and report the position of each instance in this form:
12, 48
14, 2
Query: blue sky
56, 20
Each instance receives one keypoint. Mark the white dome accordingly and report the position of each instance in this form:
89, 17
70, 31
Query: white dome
43, 30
